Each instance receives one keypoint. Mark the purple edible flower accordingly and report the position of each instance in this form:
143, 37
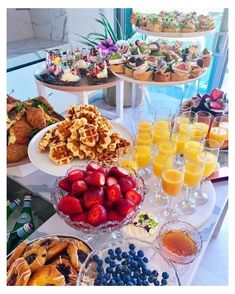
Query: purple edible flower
107, 47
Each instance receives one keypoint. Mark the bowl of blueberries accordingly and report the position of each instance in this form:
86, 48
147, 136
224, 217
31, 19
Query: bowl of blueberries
128, 262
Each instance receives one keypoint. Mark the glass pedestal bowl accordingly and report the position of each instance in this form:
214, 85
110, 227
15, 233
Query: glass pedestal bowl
157, 261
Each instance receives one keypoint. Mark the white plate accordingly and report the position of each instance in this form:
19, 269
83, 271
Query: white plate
174, 35
43, 162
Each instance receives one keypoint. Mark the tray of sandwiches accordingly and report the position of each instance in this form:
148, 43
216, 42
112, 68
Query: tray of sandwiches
84, 135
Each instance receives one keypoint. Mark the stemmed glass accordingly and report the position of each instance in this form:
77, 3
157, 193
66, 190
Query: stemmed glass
162, 125
161, 153
172, 182
127, 158
219, 129
203, 121
211, 148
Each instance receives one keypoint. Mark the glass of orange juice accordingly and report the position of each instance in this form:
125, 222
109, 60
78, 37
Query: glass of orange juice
219, 129
193, 174
203, 121
143, 157
172, 182
127, 159
211, 150
192, 149
144, 138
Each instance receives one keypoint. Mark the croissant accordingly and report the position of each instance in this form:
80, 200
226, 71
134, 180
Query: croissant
35, 117
16, 152
22, 130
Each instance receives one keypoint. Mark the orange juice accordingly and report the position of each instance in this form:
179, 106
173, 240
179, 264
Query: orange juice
203, 126
172, 181
144, 139
143, 154
129, 164
197, 134
193, 174
167, 148
192, 149
158, 164
179, 140
162, 124
161, 135
184, 128
224, 125
145, 126
218, 134
210, 164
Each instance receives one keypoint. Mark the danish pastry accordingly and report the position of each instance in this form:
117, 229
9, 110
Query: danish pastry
16, 253
64, 266
78, 253
57, 249
47, 275
16, 152
35, 257
19, 273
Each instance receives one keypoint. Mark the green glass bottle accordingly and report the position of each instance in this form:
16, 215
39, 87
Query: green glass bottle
18, 236
12, 206
25, 214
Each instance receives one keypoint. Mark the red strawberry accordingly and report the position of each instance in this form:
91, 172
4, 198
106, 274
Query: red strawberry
114, 216
96, 179
215, 105
124, 206
65, 185
111, 181
102, 171
70, 205
125, 184
134, 196
97, 215
114, 193
108, 205
79, 187
81, 217
87, 173
118, 171
76, 175
133, 181
216, 94
93, 196
92, 166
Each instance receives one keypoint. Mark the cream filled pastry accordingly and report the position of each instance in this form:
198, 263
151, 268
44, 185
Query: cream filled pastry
144, 227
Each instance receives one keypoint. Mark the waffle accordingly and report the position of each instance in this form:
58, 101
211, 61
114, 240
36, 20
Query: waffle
63, 130
88, 135
103, 143
60, 154
104, 126
45, 141
74, 147
108, 157
115, 139
89, 151
76, 125
124, 145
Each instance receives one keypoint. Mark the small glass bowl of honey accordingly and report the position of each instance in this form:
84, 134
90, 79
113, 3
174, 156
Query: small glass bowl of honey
181, 241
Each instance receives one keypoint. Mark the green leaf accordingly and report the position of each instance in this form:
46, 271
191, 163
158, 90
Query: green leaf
120, 30
92, 43
19, 106
109, 28
96, 34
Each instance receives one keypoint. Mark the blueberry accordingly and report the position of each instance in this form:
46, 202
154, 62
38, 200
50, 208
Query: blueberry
143, 277
107, 276
150, 279
124, 254
124, 262
126, 278
134, 282
96, 257
120, 283
155, 273
128, 260
119, 257
107, 259
100, 276
145, 259
112, 282
148, 272
156, 282
110, 251
131, 246
142, 265
129, 284
136, 274
135, 257
118, 250
114, 275
103, 282
109, 270
145, 283
140, 253
165, 275
164, 282
128, 272
97, 282
100, 269
100, 262
139, 259
132, 252
119, 268
112, 263
139, 282
134, 264
113, 256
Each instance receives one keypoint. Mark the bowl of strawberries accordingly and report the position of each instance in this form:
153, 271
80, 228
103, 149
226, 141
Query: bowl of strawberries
96, 199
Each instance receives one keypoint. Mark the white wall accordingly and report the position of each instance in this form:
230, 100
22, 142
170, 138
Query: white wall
19, 25
82, 21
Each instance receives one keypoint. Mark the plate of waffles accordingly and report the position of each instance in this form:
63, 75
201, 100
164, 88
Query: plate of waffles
70, 143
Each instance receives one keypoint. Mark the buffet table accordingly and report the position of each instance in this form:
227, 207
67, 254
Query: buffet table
41, 184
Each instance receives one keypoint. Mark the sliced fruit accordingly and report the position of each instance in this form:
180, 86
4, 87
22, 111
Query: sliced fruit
87, 173
125, 184
97, 215
69, 205
108, 205
81, 217
65, 185
111, 181
216, 94
96, 179
114, 216
134, 196
93, 196
124, 206
103, 171
133, 181
76, 175
79, 188
216, 105
114, 193
118, 171
92, 166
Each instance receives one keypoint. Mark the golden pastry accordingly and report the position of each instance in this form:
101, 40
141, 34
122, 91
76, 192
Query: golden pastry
22, 131
16, 152
64, 266
57, 249
35, 117
16, 253
78, 253
19, 273
35, 257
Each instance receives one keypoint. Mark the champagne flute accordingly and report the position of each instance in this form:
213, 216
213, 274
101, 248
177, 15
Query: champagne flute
203, 121
211, 148
162, 125
172, 182
219, 129
127, 158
